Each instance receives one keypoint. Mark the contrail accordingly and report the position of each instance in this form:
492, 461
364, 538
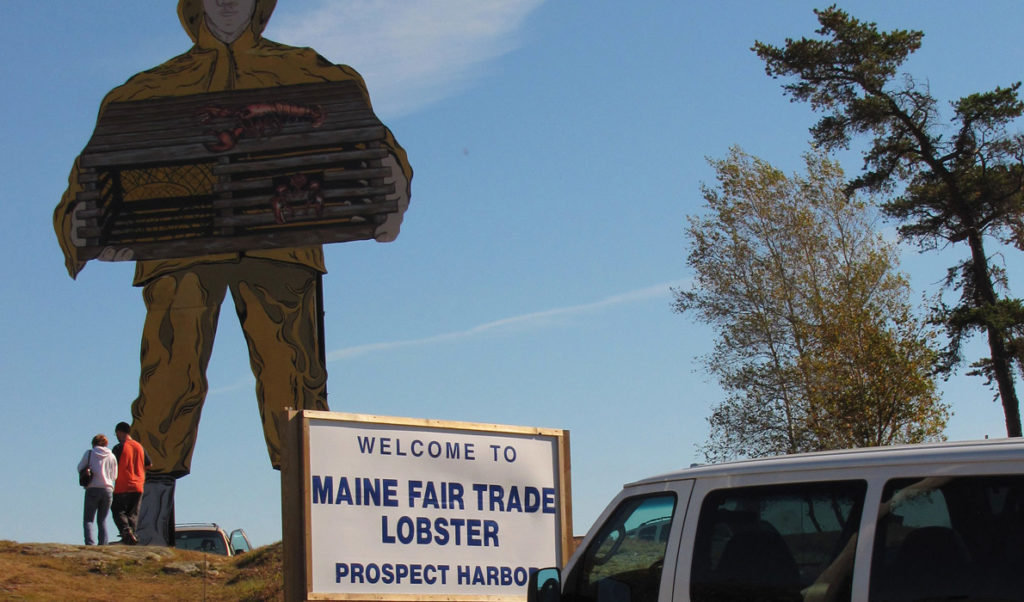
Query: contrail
529, 319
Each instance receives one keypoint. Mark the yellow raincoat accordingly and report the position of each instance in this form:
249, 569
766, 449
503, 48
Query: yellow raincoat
249, 62
274, 291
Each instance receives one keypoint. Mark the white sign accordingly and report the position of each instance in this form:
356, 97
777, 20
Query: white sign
417, 509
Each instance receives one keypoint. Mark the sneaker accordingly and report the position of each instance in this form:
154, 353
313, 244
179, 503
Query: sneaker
129, 538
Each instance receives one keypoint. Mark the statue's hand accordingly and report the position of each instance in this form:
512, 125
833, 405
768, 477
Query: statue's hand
115, 254
76, 223
71, 261
388, 231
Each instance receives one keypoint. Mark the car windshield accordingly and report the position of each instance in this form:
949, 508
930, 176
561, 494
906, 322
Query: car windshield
201, 540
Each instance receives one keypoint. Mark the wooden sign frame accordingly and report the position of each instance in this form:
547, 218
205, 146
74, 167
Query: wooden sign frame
296, 497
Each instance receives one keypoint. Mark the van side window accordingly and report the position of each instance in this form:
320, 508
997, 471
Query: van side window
778, 542
623, 562
950, 538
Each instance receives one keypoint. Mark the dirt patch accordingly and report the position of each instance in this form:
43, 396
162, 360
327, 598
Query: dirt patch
44, 571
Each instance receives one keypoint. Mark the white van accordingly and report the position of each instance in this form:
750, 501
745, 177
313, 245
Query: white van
918, 522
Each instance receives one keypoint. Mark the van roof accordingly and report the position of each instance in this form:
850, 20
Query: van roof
927, 453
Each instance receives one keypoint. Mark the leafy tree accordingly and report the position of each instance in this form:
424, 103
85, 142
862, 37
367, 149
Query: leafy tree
951, 185
816, 346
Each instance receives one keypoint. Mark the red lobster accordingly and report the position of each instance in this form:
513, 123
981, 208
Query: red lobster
299, 187
257, 119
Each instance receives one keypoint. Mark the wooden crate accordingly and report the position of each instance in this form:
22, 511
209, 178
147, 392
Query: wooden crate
232, 171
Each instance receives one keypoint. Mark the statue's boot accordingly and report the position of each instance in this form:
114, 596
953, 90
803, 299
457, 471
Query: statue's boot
156, 514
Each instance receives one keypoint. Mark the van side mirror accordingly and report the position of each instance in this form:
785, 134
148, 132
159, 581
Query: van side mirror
545, 585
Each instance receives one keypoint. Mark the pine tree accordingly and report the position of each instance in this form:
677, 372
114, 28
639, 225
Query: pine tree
965, 188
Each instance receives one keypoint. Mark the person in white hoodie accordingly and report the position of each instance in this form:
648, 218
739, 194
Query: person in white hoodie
100, 490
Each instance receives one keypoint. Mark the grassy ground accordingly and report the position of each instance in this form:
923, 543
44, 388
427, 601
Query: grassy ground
65, 572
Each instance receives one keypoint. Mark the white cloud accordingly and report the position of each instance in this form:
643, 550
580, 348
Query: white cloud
411, 53
530, 320
246, 382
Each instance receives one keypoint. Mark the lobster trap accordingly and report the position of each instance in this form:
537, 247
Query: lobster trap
232, 171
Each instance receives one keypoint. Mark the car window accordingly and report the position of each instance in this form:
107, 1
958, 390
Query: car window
209, 540
624, 560
239, 542
781, 542
950, 538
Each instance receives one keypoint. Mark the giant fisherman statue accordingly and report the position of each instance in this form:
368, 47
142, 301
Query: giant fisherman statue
275, 290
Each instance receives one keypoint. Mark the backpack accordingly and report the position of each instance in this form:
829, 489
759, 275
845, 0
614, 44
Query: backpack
85, 475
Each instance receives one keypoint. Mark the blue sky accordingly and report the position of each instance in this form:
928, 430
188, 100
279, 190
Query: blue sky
558, 147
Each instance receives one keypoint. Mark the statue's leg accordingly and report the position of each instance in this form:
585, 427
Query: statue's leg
177, 341
277, 305
156, 512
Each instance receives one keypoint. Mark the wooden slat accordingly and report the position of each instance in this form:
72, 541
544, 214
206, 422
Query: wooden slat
194, 151
89, 195
185, 130
307, 215
335, 96
331, 176
261, 241
302, 162
369, 194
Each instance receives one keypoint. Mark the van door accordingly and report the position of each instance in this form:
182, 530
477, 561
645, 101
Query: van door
788, 541
624, 558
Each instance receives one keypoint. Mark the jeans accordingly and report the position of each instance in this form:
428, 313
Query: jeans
97, 505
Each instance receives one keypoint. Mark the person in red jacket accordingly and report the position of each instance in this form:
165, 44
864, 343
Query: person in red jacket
132, 462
